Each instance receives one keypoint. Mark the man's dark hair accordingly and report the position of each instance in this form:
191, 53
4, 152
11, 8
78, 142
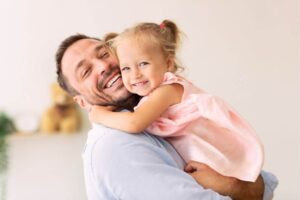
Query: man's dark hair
64, 45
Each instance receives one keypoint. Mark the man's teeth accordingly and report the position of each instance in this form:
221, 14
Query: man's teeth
113, 80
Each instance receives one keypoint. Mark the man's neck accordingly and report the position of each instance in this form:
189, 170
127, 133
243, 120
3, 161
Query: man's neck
129, 103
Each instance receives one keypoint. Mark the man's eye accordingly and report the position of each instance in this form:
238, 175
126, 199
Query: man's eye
103, 55
142, 64
85, 73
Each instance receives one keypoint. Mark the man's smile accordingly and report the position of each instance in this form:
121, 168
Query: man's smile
112, 80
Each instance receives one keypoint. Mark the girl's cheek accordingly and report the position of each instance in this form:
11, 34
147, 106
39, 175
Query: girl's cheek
125, 82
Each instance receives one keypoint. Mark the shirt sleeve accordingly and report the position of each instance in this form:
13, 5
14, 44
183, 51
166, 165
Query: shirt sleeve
271, 183
132, 169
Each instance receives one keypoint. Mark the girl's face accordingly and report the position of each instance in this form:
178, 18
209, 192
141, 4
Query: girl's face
142, 64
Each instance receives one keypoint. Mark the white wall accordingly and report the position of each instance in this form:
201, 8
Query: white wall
46, 167
245, 51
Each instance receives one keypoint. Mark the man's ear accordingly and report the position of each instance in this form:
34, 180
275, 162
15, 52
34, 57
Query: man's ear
171, 64
80, 100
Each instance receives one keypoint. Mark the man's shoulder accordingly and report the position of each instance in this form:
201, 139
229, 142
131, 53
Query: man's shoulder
102, 134
104, 140
106, 148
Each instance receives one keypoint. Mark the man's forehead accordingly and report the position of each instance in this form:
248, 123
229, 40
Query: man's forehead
78, 51
83, 46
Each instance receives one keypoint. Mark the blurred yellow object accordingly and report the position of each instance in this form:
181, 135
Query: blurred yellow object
63, 115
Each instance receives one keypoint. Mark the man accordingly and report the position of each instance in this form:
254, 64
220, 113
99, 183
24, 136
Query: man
118, 165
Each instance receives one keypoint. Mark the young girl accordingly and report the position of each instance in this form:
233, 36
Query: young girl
200, 126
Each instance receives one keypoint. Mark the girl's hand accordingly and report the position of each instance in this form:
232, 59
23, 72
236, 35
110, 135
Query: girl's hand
97, 112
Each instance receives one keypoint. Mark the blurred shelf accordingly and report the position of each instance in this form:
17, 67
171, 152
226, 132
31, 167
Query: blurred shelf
38, 135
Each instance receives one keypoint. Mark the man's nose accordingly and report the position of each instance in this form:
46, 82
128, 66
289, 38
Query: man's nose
102, 67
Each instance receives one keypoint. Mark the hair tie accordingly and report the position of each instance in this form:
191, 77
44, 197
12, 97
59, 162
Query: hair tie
162, 26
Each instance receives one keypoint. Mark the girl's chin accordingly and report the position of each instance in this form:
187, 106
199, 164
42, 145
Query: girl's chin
140, 93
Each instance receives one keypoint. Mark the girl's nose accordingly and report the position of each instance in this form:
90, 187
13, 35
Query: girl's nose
136, 74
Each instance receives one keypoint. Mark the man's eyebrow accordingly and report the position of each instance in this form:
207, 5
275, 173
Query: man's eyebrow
96, 49
78, 66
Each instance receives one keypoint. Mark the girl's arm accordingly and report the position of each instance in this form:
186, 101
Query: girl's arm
134, 122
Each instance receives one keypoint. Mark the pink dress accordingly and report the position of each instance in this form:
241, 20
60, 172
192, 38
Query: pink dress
204, 128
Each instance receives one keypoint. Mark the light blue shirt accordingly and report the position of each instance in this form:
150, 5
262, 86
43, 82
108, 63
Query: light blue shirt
122, 166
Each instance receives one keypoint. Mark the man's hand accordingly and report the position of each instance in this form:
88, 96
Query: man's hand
227, 186
95, 112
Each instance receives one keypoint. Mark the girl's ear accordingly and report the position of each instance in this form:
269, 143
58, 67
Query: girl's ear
171, 64
80, 100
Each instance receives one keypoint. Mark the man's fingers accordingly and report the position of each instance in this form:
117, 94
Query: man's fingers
189, 168
194, 175
194, 166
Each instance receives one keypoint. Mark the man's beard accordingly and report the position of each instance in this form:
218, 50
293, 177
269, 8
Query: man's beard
128, 103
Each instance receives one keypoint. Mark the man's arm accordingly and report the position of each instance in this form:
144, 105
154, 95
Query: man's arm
138, 167
146, 167
271, 183
236, 189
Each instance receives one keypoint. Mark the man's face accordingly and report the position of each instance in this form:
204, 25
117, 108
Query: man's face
94, 73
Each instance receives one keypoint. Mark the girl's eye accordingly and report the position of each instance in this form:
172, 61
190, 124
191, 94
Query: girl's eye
142, 64
125, 69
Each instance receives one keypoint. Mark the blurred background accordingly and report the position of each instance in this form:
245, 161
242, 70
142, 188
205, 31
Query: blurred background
246, 51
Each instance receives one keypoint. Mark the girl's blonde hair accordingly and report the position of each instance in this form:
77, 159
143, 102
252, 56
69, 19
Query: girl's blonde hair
166, 35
